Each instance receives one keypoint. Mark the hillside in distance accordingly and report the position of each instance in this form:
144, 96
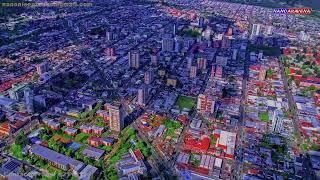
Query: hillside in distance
314, 4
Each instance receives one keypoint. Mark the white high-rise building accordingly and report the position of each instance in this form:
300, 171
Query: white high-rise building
148, 77
303, 36
167, 43
109, 35
277, 121
154, 59
117, 115
142, 96
234, 54
42, 68
268, 30
205, 103
189, 62
28, 95
255, 30
178, 44
134, 59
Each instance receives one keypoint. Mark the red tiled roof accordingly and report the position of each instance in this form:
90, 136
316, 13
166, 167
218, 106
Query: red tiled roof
18, 124
44, 143
253, 171
292, 70
306, 124
138, 154
203, 145
297, 77
255, 67
5, 127
182, 118
286, 51
93, 139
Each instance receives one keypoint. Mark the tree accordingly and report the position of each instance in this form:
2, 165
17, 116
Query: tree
36, 77
99, 163
41, 163
78, 155
269, 73
59, 131
63, 150
16, 150
304, 75
131, 131
86, 160
68, 152
312, 88
22, 170
21, 139
45, 137
83, 115
225, 92
56, 177
231, 79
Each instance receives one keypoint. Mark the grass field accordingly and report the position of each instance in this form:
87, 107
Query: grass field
264, 117
185, 102
82, 137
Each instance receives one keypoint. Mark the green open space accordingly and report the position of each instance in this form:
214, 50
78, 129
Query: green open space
186, 102
213, 140
189, 33
82, 137
264, 117
171, 126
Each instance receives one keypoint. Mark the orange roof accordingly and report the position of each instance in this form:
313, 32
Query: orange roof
253, 171
61, 139
5, 127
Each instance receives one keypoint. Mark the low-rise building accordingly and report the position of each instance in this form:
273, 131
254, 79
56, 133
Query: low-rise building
69, 122
71, 131
130, 164
56, 159
93, 153
88, 173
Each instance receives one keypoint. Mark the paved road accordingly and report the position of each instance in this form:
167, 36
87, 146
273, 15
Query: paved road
298, 140
240, 133
166, 167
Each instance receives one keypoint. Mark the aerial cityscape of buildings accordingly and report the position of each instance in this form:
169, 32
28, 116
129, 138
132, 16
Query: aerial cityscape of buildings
152, 89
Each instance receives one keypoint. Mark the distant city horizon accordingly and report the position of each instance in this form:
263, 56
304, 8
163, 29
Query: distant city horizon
161, 90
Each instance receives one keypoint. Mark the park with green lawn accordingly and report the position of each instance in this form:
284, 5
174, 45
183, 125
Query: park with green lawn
264, 117
171, 126
186, 102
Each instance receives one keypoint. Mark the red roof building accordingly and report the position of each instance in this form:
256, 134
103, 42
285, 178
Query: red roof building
138, 154
292, 71
227, 143
18, 124
229, 32
183, 119
201, 146
94, 141
104, 114
5, 129
286, 51
255, 68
